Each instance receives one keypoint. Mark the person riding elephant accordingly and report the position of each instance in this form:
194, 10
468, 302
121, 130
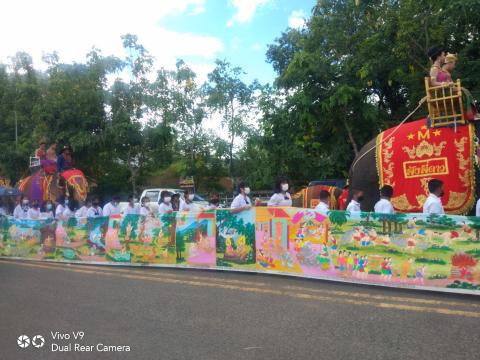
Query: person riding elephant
48, 158
444, 77
64, 160
437, 55
41, 153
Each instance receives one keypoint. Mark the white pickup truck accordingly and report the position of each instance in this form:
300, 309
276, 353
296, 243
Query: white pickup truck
154, 197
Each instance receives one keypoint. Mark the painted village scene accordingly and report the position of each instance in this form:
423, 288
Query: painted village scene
401, 249
434, 251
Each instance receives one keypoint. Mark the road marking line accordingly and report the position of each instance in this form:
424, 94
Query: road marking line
135, 271
249, 283
383, 297
443, 311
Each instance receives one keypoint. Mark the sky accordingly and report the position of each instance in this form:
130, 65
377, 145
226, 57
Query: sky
197, 31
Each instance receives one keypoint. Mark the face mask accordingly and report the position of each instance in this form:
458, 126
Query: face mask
115, 203
190, 197
284, 187
66, 202
167, 199
247, 191
25, 202
135, 200
360, 198
49, 206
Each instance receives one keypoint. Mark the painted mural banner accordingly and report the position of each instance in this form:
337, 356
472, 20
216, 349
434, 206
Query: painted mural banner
415, 251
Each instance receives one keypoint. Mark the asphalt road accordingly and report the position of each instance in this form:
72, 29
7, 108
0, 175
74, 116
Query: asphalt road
186, 314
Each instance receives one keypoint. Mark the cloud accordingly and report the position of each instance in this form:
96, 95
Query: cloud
245, 9
297, 19
200, 9
72, 28
256, 47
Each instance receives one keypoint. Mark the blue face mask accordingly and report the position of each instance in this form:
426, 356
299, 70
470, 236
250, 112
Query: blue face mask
49, 206
66, 202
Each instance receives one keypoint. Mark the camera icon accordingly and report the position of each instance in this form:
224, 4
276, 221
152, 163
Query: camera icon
23, 341
38, 341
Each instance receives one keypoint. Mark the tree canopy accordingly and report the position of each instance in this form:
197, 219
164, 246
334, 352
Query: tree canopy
355, 69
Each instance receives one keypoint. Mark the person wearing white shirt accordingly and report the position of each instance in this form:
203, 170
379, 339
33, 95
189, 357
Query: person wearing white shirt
165, 206
132, 208
433, 204
213, 201
112, 208
68, 213
477, 208
82, 212
95, 210
384, 205
187, 205
281, 197
47, 212
144, 209
242, 202
21, 210
34, 212
323, 206
60, 209
354, 205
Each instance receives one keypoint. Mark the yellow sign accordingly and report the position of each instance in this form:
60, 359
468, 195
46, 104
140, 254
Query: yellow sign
422, 168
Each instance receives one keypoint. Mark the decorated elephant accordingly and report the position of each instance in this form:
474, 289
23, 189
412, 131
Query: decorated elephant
409, 155
44, 186
309, 196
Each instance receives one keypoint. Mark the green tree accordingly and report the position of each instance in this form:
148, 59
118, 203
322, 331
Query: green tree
229, 96
338, 218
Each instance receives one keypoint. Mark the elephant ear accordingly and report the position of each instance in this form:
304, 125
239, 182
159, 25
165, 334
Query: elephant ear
77, 182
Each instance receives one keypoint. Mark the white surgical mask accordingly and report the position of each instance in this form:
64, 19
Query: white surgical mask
167, 199
190, 197
247, 190
284, 187
25, 202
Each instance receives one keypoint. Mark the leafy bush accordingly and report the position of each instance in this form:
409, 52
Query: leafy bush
463, 285
440, 248
394, 251
475, 253
423, 260
437, 277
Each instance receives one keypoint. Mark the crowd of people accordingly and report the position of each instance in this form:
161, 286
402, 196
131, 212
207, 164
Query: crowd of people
65, 208
432, 205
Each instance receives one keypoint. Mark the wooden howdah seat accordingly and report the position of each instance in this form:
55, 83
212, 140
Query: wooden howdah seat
445, 104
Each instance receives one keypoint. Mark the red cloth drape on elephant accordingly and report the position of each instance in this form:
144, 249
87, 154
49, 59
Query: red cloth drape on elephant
407, 158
